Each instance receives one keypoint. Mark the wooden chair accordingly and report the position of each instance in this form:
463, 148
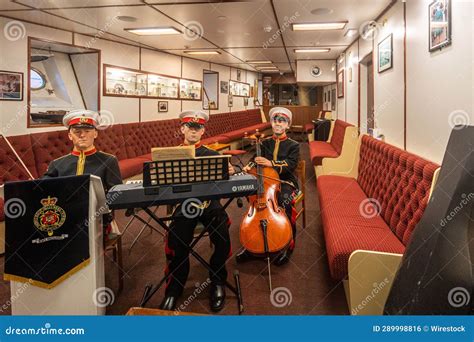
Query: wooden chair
115, 245
300, 198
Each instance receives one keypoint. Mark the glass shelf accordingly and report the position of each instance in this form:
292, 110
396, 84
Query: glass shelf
137, 83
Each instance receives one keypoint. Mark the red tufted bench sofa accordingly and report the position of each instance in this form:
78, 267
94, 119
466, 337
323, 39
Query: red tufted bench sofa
376, 211
332, 149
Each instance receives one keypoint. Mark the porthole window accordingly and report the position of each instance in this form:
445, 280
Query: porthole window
37, 79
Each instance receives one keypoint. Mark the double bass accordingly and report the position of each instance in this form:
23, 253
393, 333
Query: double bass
265, 229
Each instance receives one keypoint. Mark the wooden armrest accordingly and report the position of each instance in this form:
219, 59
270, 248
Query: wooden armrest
370, 279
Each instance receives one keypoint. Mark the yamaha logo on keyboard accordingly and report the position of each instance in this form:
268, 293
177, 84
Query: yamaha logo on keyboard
243, 187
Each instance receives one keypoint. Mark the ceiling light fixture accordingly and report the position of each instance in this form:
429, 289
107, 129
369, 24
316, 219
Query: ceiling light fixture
153, 31
336, 25
257, 61
312, 50
211, 52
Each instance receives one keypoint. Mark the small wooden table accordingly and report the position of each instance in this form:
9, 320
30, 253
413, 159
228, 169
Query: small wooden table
218, 147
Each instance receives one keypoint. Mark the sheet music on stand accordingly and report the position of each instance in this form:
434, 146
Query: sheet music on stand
179, 165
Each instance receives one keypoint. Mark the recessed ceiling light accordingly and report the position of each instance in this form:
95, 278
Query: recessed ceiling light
126, 18
336, 25
257, 61
203, 52
153, 31
350, 33
312, 50
322, 11
222, 17
221, 31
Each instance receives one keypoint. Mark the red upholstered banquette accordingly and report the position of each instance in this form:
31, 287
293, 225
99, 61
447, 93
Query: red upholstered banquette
379, 210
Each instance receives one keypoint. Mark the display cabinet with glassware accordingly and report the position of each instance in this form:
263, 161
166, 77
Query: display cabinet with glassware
190, 89
162, 86
124, 82
239, 88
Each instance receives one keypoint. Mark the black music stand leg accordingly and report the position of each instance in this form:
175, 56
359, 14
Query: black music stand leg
240, 302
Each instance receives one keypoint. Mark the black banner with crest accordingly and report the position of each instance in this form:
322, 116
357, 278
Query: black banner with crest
46, 229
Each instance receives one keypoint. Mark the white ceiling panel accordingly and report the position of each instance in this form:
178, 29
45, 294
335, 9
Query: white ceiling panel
233, 24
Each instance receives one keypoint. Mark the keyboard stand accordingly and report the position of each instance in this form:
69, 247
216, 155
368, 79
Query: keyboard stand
134, 216
150, 289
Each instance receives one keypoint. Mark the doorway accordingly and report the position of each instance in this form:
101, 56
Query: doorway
367, 119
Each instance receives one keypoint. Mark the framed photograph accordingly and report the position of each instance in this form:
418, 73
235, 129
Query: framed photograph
325, 97
224, 87
340, 84
11, 86
439, 24
162, 106
333, 99
231, 100
385, 53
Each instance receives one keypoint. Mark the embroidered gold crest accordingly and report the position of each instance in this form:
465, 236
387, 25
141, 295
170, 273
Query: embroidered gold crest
50, 217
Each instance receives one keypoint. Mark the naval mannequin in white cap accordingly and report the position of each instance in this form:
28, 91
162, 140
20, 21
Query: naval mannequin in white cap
85, 158
181, 230
282, 154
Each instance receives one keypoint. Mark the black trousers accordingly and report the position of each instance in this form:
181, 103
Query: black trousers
180, 236
286, 200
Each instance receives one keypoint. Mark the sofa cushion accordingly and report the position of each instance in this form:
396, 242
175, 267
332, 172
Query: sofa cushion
48, 146
337, 138
221, 139
131, 166
10, 167
351, 222
112, 140
398, 180
319, 150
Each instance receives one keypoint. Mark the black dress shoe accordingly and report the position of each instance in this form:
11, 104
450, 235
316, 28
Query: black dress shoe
168, 303
283, 257
217, 297
244, 256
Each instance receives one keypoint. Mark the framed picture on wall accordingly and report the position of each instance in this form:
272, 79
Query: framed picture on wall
340, 84
224, 87
324, 96
162, 106
11, 86
439, 24
385, 53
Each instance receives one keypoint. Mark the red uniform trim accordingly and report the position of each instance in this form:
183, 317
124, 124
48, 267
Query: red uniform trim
87, 153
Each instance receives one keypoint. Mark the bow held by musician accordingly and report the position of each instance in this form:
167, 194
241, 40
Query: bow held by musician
85, 158
181, 230
282, 154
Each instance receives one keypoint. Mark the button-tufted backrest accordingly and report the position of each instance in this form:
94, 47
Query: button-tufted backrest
10, 167
48, 146
111, 140
398, 181
337, 138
